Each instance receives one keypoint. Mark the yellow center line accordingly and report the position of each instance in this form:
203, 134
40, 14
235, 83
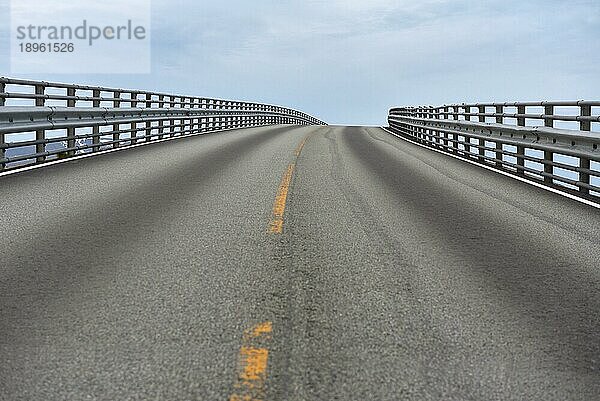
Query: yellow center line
252, 364
276, 224
301, 146
255, 364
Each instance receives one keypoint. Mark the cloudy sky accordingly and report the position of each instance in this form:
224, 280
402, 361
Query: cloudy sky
348, 61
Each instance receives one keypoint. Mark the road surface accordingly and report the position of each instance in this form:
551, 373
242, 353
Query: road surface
294, 263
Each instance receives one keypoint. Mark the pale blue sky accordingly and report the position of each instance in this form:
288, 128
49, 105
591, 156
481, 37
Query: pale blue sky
348, 61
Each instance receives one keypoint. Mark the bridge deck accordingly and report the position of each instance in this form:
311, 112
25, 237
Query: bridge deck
399, 273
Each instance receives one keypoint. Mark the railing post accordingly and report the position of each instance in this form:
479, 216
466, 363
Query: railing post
172, 121
2, 150
434, 132
96, 129
203, 124
40, 135
498, 145
419, 130
193, 122
499, 114
467, 139
585, 111
584, 163
161, 125
455, 116
2, 90
520, 112
443, 134
425, 134
133, 103
116, 127
521, 149
195, 126
183, 123
148, 123
179, 121
71, 131
481, 141
2, 139
548, 113
548, 155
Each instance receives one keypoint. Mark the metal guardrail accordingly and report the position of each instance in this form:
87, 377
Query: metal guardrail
63, 120
513, 138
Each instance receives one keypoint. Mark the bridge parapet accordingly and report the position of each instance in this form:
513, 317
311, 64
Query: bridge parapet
42, 121
554, 143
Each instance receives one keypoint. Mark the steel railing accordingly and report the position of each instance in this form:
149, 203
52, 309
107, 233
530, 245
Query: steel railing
555, 143
42, 121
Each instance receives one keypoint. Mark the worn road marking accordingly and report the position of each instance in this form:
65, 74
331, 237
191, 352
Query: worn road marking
252, 364
301, 146
276, 224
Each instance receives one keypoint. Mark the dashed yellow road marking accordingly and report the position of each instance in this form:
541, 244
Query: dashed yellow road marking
255, 364
276, 223
252, 364
262, 330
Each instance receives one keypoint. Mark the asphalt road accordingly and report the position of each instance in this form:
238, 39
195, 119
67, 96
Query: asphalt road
303, 263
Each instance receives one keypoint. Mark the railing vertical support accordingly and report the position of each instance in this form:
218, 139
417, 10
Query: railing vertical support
2, 138
133, 102
184, 123
584, 163
432, 115
456, 111
161, 124
2, 150
172, 121
71, 131
148, 123
498, 145
40, 135
179, 122
445, 135
2, 90
198, 125
548, 155
521, 149
467, 139
96, 129
116, 128
190, 121
481, 142
548, 116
